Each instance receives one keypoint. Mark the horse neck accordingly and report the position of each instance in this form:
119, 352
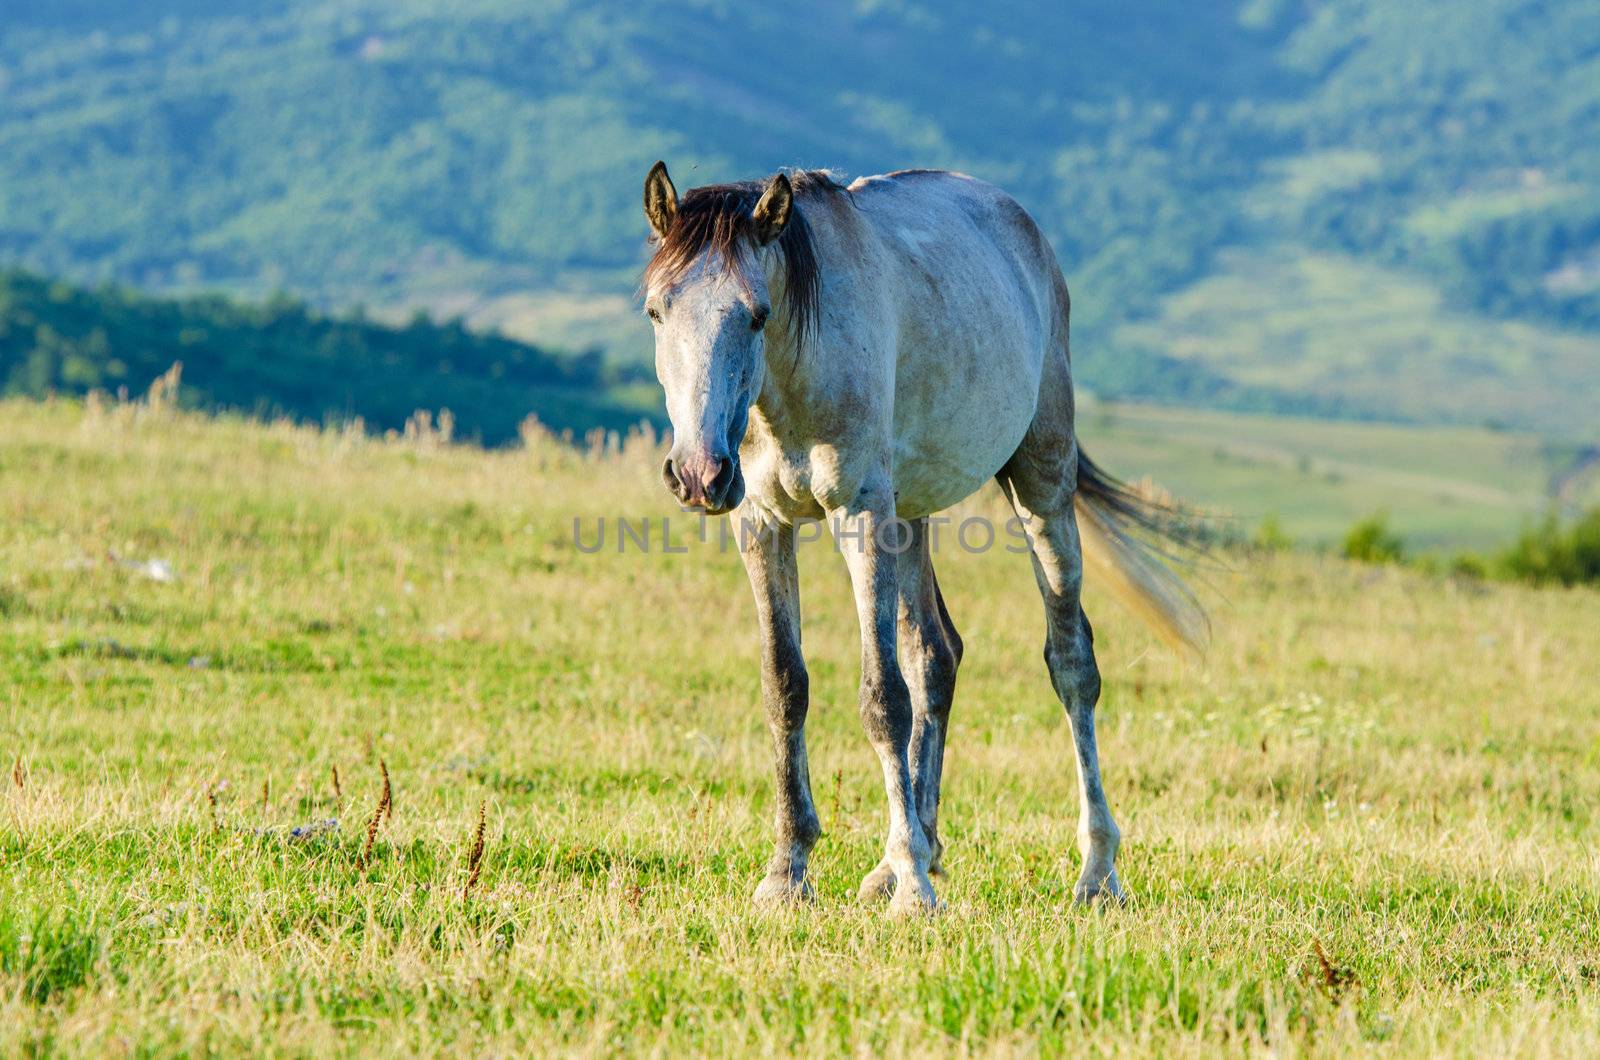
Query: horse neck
782, 350
778, 396
796, 368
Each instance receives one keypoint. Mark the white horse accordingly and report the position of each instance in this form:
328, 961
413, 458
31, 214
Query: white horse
872, 354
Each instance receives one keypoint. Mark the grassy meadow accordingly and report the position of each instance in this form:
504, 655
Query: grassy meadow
1443, 488
1366, 823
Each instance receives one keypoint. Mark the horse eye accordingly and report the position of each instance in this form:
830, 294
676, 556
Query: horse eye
653, 313
758, 319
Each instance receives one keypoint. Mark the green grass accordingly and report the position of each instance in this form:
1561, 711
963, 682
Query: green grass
1401, 771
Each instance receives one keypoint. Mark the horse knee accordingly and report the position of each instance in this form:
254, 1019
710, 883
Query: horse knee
885, 709
786, 688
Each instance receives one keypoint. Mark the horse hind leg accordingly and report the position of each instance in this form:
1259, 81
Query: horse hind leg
939, 650
1041, 492
930, 653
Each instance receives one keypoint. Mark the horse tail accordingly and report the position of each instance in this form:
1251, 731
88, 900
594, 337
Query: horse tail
1110, 514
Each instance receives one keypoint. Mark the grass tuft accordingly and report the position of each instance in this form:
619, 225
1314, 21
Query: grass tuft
475, 855
386, 799
1334, 980
375, 822
46, 956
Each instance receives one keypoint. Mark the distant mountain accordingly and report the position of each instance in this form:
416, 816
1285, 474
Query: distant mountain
281, 358
485, 156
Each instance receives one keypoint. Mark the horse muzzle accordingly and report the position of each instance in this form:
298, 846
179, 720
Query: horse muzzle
707, 481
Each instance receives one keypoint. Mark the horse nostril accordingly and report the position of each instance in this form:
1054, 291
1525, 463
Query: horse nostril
717, 485
669, 475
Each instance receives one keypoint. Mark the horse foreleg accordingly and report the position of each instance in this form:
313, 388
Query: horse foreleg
869, 538
929, 654
769, 560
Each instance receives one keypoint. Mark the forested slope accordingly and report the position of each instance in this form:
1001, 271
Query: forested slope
486, 156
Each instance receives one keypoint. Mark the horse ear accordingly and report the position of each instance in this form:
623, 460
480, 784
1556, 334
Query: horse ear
772, 212
660, 199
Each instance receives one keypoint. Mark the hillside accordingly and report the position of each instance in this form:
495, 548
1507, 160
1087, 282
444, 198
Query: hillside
1366, 824
1444, 488
282, 358
485, 159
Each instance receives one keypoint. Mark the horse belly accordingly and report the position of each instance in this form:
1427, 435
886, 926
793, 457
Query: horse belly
958, 424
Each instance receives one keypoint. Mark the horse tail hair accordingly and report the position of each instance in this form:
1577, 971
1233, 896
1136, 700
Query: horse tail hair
1111, 519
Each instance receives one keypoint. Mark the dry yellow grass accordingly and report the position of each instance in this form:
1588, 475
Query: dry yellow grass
1366, 824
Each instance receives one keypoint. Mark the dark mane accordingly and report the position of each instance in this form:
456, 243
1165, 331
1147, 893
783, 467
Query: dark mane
716, 219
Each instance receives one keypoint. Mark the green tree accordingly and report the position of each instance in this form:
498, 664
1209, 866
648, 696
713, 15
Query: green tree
1371, 541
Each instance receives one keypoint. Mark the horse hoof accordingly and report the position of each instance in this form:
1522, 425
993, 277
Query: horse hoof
915, 899
1093, 889
878, 885
779, 889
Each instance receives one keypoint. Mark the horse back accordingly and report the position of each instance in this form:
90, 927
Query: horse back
977, 315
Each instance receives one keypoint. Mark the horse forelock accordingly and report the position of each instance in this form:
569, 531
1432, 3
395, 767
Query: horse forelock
715, 224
